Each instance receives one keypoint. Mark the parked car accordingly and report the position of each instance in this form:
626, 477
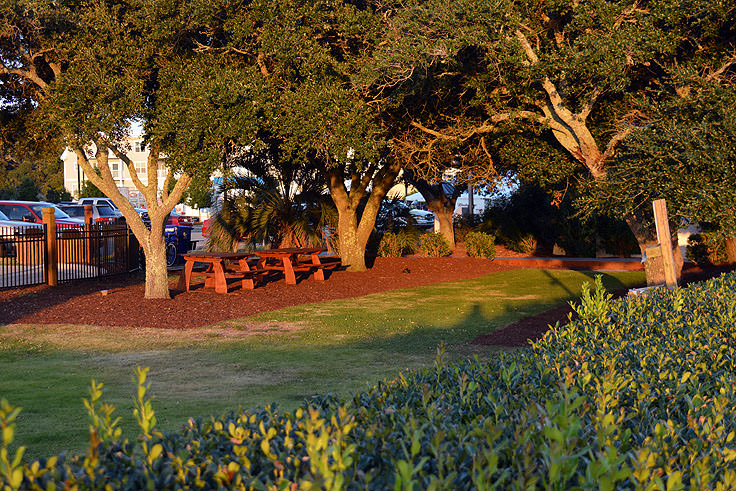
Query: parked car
206, 227
100, 212
424, 218
177, 219
100, 201
9, 229
32, 212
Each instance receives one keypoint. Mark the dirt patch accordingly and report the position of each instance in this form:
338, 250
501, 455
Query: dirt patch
529, 329
172, 375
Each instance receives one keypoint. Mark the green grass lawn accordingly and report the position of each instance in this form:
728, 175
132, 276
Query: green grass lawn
283, 356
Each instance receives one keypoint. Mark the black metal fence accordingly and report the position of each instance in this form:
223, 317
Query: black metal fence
100, 249
22, 255
94, 251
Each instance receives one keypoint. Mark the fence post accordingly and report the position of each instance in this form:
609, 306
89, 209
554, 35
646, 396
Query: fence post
88, 217
51, 263
665, 242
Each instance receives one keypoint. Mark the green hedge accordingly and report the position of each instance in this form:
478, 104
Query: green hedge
637, 393
479, 244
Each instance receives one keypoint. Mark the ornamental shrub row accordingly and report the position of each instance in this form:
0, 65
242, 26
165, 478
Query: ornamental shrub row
638, 393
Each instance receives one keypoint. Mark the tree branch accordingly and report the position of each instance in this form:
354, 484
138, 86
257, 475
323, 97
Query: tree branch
133, 173
31, 75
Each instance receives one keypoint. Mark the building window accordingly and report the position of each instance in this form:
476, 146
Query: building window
139, 147
140, 168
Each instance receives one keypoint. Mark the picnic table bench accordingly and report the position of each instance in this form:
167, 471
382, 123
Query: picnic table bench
286, 260
218, 272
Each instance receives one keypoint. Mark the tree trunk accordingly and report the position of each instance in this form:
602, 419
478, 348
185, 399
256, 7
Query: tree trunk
157, 276
351, 247
447, 229
731, 249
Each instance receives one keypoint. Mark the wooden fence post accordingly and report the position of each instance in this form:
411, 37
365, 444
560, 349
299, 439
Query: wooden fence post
51, 263
665, 242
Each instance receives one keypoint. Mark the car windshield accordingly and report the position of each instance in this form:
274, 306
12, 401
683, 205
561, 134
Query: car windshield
58, 214
74, 211
105, 211
3, 216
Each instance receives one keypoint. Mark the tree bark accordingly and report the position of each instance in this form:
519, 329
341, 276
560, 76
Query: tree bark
350, 246
353, 231
443, 205
447, 229
731, 249
157, 276
152, 241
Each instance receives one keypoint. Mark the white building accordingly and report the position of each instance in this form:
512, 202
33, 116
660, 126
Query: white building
74, 176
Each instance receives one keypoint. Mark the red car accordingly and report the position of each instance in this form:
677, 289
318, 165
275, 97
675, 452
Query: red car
177, 219
206, 227
32, 212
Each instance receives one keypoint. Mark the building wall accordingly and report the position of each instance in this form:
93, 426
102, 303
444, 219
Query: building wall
74, 176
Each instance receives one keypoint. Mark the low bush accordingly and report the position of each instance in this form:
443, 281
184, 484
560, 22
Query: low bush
638, 393
434, 244
479, 244
397, 244
525, 243
706, 248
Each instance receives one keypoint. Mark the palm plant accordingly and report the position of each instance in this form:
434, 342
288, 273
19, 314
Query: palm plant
278, 203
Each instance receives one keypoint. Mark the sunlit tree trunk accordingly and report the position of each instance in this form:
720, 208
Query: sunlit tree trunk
353, 231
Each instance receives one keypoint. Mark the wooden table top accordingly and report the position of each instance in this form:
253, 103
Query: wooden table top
287, 251
217, 255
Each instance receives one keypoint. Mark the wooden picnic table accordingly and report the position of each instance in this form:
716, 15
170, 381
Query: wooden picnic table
216, 273
287, 260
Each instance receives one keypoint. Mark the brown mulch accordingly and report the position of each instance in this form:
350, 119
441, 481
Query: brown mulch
82, 302
529, 329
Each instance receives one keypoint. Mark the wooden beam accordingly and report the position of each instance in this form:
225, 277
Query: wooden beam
665, 242
51, 263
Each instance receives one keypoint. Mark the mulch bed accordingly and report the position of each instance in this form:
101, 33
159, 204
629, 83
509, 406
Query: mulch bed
82, 302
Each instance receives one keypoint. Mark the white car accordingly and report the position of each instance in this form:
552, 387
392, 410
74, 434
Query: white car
101, 201
424, 218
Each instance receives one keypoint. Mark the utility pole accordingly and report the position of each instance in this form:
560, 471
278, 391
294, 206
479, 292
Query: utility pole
470, 200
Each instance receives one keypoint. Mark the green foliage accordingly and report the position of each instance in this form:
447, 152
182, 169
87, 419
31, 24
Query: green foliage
706, 248
58, 195
683, 152
279, 203
523, 243
89, 190
396, 244
479, 244
636, 393
11, 468
434, 244
198, 194
526, 220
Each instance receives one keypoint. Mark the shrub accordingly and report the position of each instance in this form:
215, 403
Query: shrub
479, 244
397, 244
434, 244
706, 248
638, 393
525, 243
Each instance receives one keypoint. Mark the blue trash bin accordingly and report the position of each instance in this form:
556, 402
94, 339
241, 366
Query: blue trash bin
178, 242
